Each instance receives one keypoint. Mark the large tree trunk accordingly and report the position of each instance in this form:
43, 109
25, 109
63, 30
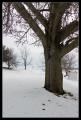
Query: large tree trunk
53, 74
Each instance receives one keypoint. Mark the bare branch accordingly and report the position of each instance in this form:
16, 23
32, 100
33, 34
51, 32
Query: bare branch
56, 12
27, 17
19, 41
67, 48
36, 43
7, 16
40, 17
43, 10
68, 29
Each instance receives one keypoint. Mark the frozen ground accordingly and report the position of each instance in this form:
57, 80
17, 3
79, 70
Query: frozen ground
24, 96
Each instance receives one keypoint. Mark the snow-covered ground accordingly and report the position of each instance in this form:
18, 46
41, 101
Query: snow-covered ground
24, 96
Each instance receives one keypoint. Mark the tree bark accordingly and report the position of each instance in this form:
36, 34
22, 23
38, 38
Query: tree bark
47, 73
53, 74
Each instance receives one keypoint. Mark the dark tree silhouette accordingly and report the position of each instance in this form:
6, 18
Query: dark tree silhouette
9, 57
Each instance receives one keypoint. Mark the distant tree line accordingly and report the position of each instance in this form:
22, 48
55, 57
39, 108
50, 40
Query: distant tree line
9, 57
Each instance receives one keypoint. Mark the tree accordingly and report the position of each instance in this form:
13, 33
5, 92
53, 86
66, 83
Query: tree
5, 52
59, 21
9, 57
67, 63
25, 57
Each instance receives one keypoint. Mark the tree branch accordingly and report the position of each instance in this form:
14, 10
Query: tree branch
67, 30
19, 40
43, 10
40, 17
56, 12
67, 48
27, 17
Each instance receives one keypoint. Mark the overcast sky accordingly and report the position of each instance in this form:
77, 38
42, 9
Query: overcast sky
35, 52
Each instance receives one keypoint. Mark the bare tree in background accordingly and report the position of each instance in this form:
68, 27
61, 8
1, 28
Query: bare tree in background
25, 56
67, 63
55, 24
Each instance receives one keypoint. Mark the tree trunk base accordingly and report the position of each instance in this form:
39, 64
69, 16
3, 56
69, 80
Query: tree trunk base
53, 73
56, 93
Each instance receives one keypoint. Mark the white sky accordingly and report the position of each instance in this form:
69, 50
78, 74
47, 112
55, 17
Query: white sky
35, 51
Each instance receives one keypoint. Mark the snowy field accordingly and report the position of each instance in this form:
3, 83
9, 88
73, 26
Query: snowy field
24, 96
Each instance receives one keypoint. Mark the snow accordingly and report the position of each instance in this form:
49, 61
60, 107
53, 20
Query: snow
73, 75
25, 97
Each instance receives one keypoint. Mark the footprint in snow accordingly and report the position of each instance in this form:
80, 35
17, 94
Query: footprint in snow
49, 100
59, 105
43, 109
43, 104
74, 98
